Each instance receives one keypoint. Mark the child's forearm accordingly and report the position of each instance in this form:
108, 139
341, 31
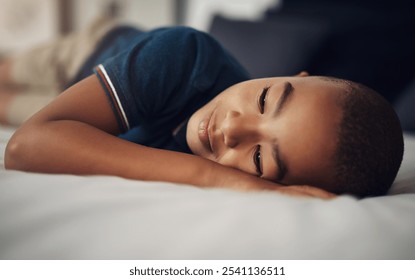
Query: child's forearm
73, 147
77, 148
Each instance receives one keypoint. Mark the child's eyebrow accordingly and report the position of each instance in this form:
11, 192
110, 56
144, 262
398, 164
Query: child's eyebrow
287, 92
282, 167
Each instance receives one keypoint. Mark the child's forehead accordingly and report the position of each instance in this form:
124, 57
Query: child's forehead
324, 82
332, 90
320, 89
314, 81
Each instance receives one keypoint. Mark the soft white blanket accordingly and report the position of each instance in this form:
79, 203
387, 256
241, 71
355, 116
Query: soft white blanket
102, 217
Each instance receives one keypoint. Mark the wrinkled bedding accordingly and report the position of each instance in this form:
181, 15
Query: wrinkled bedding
46, 216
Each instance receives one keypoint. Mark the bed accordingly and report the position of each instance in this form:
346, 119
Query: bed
46, 216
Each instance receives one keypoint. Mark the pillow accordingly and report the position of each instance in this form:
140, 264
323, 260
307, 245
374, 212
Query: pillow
275, 47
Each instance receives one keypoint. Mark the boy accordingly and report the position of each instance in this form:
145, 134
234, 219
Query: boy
196, 118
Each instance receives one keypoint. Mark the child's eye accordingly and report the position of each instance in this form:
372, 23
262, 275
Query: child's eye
257, 160
261, 100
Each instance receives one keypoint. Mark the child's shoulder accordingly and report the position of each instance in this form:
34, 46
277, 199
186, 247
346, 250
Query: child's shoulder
184, 35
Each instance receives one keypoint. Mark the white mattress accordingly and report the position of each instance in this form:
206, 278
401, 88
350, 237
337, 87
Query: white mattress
102, 217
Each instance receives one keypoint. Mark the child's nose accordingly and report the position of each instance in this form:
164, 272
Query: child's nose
238, 129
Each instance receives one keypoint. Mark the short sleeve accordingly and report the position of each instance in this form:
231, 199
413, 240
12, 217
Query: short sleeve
165, 74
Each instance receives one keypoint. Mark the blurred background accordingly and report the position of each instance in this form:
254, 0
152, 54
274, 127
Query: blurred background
26, 22
367, 41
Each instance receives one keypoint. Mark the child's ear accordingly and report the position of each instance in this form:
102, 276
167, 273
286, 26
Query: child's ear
302, 74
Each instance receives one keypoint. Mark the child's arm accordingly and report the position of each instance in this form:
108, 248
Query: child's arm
76, 134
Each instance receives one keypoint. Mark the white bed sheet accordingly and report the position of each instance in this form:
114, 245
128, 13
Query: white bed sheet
103, 217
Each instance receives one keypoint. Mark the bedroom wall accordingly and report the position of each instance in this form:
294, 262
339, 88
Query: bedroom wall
144, 13
199, 13
196, 13
25, 23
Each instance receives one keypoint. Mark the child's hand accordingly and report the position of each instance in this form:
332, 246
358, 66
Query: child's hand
247, 182
306, 190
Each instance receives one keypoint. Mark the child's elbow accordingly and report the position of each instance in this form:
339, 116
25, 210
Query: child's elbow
14, 156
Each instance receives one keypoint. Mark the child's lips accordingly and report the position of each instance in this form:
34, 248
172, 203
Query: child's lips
204, 134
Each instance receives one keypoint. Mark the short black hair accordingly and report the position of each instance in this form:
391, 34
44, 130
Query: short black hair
370, 143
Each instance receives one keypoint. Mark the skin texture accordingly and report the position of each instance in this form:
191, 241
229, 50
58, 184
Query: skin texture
243, 134
76, 134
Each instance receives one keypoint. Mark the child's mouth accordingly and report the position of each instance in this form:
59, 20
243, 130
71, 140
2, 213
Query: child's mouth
203, 133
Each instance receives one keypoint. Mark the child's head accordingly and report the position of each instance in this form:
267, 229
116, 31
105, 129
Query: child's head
325, 132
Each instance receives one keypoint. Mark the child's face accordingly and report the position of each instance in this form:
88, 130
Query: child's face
283, 129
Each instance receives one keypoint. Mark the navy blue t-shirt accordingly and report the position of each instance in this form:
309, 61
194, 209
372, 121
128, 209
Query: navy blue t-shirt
156, 80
